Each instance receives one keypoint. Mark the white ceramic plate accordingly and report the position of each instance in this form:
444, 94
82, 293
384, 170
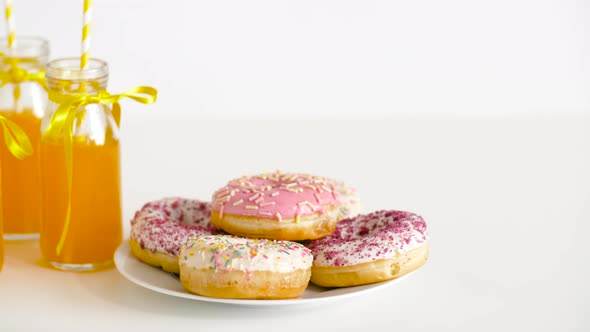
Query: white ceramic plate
163, 282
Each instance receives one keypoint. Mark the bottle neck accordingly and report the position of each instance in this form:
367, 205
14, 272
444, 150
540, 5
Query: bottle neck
27, 52
76, 87
30, 64
65, 76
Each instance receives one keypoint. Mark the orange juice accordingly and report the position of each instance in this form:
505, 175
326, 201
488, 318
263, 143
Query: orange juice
1, 236
21, 183
95, 229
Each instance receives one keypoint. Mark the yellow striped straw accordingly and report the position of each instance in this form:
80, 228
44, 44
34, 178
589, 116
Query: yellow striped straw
86, 34
9, 23
11, 40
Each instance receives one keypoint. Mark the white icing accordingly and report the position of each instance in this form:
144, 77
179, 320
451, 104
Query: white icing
366, 238
348, 200
163, 226
228, 253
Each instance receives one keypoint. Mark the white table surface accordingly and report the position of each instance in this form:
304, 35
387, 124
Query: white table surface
506, 198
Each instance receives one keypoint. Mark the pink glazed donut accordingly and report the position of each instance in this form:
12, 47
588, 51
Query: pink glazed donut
277, 206
370, 248
161, 227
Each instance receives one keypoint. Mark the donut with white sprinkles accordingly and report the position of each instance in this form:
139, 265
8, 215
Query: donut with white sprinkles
232, 267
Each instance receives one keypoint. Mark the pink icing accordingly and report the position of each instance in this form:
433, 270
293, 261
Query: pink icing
369, 237
165, 225
275, 196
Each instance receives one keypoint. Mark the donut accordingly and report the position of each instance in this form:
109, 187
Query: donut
231, 267
278, 206
370, 248
349, 200
160, 228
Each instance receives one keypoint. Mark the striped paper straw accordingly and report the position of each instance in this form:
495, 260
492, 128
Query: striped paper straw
9, 23
86, 34
11, 40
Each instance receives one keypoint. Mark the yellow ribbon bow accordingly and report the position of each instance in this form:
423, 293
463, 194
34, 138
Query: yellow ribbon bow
15, 139
17, 75
62, 123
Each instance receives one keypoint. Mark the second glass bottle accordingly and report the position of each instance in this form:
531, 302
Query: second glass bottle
95, 227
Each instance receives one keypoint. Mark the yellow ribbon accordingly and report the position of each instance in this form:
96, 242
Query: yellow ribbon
15, 139
17, 75
62, 123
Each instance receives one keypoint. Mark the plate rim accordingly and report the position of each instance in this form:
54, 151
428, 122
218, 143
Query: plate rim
123, 253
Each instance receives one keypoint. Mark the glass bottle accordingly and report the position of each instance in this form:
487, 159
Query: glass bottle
23, 103
90, 239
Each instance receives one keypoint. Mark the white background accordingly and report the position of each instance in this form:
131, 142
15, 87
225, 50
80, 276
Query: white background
471, 113
334, 57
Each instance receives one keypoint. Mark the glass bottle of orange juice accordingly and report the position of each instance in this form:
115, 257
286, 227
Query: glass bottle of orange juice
23, 100
86, 238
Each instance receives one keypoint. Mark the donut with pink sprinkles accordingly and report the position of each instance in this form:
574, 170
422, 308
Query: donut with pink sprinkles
369, 248
160, 228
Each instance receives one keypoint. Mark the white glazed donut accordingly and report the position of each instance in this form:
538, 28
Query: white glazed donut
370, 248
160, 228
232, 267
